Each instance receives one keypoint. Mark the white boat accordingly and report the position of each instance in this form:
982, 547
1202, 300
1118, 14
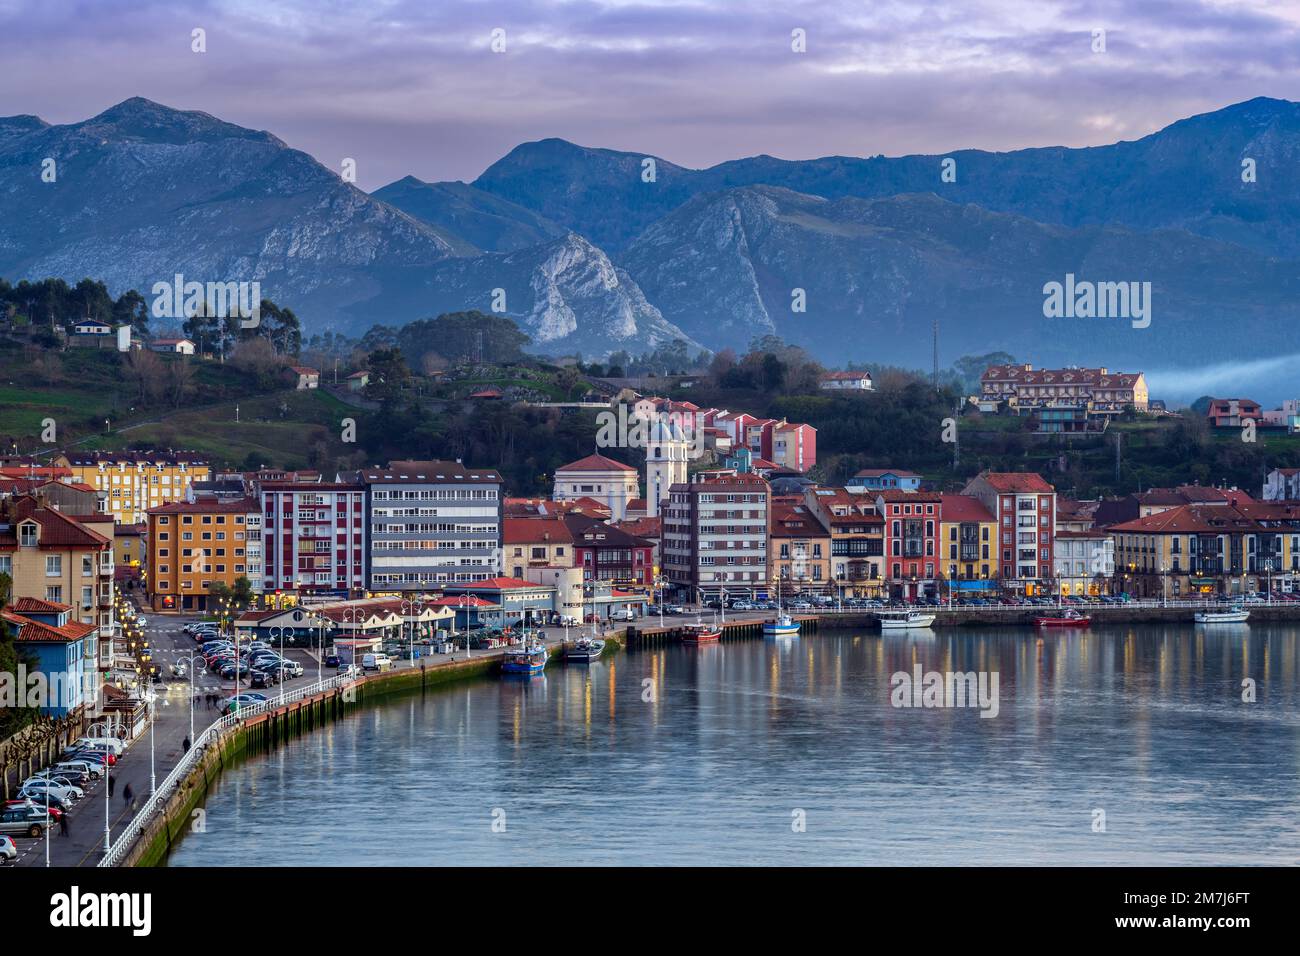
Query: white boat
783, 626
584, 650
1236, 615
892, 620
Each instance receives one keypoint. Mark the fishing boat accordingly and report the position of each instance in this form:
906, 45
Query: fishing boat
783, 626
526, 660
897, 620
584, 650
1071, 618
699, 633
1234, 615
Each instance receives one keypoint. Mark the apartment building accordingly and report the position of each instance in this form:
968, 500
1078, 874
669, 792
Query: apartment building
1199, 550
1085, 562
799, 546
911, 540
58, 558
431, 523
540, 542
715, 535
135, 481
1025, 508
610, 554
193, 546
968, 535
1098, 390
857, 538
314, 539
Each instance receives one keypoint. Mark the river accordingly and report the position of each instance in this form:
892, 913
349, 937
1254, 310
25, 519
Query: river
1113, 746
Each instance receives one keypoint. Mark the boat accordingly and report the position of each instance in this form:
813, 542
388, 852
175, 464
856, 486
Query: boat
894, 620
584, 650
783, 626
527, 660
1234, 615
698, 633
1071, 618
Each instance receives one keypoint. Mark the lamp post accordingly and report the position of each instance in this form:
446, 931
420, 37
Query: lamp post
107, 770
278, 631
192, 668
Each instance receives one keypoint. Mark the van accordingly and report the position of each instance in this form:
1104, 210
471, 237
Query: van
375, 662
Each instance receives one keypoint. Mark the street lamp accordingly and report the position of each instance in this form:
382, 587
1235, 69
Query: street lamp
107, 826
408, 606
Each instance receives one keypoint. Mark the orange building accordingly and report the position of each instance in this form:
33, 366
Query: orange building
193, 545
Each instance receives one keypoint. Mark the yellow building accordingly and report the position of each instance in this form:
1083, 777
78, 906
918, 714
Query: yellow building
193, 546
136, 481
967, 538
58, 558
799, 546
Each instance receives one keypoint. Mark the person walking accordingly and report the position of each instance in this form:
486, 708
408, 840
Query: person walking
63, 824
112, 784
127, 793
185, 744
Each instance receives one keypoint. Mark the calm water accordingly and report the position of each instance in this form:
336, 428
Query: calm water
1144, 723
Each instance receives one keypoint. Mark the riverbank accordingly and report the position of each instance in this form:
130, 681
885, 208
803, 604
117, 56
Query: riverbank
179, 810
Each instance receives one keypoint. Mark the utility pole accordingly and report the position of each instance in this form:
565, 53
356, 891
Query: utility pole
936, 353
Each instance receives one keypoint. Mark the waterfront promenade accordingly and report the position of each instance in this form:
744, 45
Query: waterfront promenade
158, 750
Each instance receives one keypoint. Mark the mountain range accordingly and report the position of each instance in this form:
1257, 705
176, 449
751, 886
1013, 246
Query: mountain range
854, 258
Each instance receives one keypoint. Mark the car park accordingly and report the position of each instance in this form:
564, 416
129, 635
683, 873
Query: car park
112, 743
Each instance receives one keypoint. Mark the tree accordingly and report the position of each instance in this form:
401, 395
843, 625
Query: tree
463, 336
388, 374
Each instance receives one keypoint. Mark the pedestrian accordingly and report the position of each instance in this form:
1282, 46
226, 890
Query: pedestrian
126, 794
112, 784
186, 745
63, 824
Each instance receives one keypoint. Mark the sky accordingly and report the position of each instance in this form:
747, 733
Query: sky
416, 87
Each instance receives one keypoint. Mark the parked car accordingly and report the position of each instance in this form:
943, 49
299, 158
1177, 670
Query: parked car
19, 821
92, 770
333, 660
90, 755
29, 804
262, 678
8, 849
60, 786
240, 702
375, 662
141, 620
113, 743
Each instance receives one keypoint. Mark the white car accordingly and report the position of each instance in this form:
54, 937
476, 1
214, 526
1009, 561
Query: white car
112, 743
38, 785
141, 620
79, 766
8, 849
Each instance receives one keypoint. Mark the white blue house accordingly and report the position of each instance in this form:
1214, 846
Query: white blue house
880, 479
64, 652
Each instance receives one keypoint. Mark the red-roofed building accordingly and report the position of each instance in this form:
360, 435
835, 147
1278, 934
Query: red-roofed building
799, 545
1024, 505
911, 541
66, 651
968, 535
519, 601
607, 553
536, 542
715, 535
603, 479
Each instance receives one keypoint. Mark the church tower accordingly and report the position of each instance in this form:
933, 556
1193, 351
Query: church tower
666, 454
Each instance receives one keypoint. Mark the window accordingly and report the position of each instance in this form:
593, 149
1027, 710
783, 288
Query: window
27, 535
53, 565
54, 593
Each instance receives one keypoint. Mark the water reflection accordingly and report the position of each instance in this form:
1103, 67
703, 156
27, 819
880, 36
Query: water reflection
702, 754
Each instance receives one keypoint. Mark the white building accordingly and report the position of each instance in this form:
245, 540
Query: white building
846, 381
667, 453
610, 482
1084, 562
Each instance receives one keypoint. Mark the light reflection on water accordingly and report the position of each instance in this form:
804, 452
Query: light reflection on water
701, 755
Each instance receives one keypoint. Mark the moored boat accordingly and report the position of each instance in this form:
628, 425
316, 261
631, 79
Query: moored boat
525, 661
1235, 615
584, 650
783, 626
701, 634
897, 620
1071, 618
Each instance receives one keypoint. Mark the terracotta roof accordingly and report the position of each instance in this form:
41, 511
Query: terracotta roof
793, 519
31, 605
902, 494
462, 600
1016, 481
648, 528
1190, 519
34, 631
963, 508
58, 530
548, 529
590, 532
596, 462
208, 506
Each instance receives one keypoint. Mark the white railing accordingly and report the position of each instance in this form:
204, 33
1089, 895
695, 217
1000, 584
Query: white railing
121, 846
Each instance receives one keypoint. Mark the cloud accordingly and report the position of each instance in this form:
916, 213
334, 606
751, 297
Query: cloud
413, 87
